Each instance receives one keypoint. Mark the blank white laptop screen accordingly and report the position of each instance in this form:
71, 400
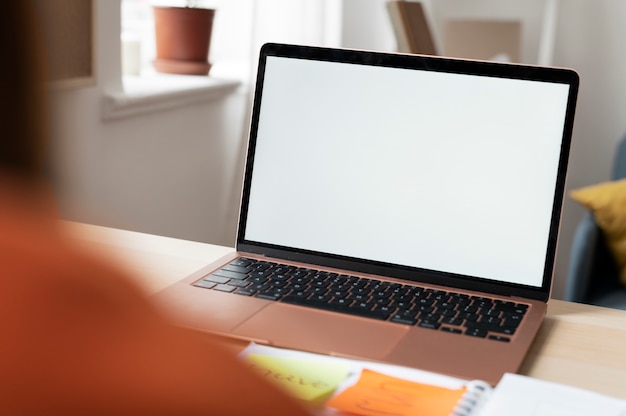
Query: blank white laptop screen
434, 170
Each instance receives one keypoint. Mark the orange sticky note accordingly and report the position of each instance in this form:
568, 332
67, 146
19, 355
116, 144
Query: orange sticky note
377, 394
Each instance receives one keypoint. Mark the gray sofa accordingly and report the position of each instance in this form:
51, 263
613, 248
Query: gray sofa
593, 275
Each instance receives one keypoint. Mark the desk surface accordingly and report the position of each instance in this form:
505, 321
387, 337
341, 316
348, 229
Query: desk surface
578, 345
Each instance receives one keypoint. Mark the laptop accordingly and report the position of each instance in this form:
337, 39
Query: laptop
395, 208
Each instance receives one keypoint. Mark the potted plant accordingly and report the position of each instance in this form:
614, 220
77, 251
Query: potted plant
183, 39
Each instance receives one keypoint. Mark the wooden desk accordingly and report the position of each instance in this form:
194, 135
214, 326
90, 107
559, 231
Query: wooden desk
578, 345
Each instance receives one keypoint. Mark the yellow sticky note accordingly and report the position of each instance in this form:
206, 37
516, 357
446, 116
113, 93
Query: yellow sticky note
377, 394
308, 380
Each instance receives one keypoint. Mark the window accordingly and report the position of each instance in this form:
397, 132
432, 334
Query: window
240, 27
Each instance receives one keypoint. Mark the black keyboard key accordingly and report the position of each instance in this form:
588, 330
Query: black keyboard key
282, 270
499, 338
512, 320
382, 301
237, 269
320, 283
399, 319
216, 279
461, 301
258, 279
242, 261
245, 291
319, 277
225, 288
425, 308
299, 287
404, 304
425, 302
321, 298
470, 317
361, 291
451, 329
229, 274
280, 290
470, 309
358, 283
491, 312
407, 312
260, 286
359, 298
507, 330
339, 279
239, 283
433, 316
476, 332
278, 283
319, 290
338, 293
385, 309
341, 302
299, 294
368, 305
260, 273
262, 265
204, 284
269, 295
382, 294
491, 320
441, 296
480, 299
445, 304
452, 321
447, 312
429, 323
300, 272
280, 276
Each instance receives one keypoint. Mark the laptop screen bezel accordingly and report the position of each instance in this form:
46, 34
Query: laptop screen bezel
459, 66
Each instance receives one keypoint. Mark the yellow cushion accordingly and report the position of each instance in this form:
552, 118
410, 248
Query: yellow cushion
607, 201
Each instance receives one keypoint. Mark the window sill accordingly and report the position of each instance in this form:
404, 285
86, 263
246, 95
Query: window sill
156, 92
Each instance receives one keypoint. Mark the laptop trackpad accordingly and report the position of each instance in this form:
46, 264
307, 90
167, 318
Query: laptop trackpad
323, 332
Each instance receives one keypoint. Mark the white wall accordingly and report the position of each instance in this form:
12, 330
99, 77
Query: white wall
145, 173
173, 172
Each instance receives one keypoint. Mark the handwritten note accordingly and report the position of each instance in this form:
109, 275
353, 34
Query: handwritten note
308, 380
377, 394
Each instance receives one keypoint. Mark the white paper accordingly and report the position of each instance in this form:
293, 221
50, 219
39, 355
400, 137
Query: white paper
518, 395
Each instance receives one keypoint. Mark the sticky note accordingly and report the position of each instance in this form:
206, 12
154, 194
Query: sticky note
311, 381
377, 394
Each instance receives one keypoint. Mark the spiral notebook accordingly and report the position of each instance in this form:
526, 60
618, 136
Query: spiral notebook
337, 386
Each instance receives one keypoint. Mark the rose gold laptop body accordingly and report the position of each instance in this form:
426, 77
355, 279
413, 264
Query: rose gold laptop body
441, 173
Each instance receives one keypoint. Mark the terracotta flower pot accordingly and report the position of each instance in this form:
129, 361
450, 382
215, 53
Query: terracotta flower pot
183, 38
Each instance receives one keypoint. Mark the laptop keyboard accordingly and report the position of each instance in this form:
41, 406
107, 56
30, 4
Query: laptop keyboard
403, 304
